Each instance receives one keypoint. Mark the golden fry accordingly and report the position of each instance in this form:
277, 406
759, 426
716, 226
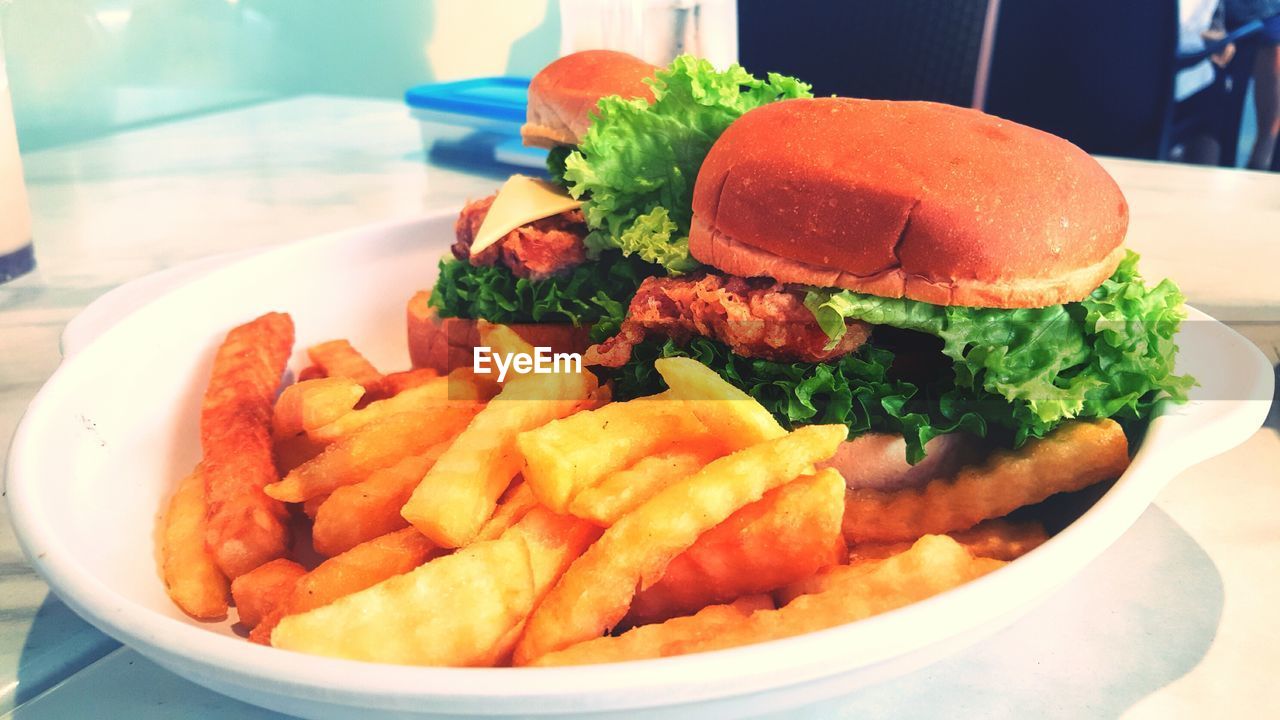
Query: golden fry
1000, 539
728, 412
429, 396
654, 641
363, 566
564, 457
625, 490
370, 508
502, 339
375, 446
517, 503
461, 490
397, 382
1072, 457
633, 553
337, 358
789, 534
245, 527
264, 588
307, 405
293, 451
191, 577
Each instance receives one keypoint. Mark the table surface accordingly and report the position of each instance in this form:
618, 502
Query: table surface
118, 208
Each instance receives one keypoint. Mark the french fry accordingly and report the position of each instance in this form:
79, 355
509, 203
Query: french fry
307, 405
788, 535
245, 527
934, 564
999, 539
632, 554
337, 358
426, 397
502, 339
311, 372
459, 609
461, 490
191, 576
621, 492
397, 382
1074, 456
563, 457
293, 451
370, 508
727, 412
311, 507
518, 502
363, 566
264, 588
373, 447
654, 641
995, 539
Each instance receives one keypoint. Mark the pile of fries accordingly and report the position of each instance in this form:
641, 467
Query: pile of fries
449, 520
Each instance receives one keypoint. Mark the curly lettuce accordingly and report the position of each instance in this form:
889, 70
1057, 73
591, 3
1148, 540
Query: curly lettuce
594, 293
857, 390
555, 164
636, 167
1109, 355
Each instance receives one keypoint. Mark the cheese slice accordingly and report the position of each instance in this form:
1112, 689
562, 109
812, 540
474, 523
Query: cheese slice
521, 201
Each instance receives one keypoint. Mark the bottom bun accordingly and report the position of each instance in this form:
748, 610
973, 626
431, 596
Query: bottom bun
445, 344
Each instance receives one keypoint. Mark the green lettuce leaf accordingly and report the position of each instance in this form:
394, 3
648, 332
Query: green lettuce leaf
1110, 355
555, 164
637, 165
857, 391
594, 293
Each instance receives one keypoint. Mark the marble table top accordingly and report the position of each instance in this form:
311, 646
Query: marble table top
117, 208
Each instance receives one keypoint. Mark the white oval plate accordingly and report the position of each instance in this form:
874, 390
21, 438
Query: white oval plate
105, 440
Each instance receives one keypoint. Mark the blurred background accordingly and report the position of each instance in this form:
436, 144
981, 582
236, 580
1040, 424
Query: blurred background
1135, 78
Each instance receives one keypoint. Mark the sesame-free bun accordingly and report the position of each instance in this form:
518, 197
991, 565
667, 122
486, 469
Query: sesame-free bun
931, 202
563, 94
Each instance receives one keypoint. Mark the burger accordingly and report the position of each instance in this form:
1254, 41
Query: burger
559, 260
938, 280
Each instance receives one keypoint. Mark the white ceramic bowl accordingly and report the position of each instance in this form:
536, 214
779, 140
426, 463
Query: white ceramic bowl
105, 440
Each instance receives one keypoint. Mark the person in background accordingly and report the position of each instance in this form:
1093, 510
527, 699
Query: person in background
1266, 74
1198, 21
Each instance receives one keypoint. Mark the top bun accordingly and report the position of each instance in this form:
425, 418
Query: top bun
931, 202
563, 94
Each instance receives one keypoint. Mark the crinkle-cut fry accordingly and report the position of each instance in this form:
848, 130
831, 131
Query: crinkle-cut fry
654, 641
564, 457
426, 397
632, 554
245, 527
1002, 539
727, 411
264, 588
454, 610
307, 405
339, 359
460, 492
517, 502
1074, 456
373, 447
191, 577
625, 490
397, 382
787, 535
554, 542
363, 566
370, 508
933, 565
460, 609
998, 539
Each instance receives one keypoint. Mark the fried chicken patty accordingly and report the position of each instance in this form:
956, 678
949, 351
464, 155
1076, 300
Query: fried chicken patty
539, 250
755, 317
